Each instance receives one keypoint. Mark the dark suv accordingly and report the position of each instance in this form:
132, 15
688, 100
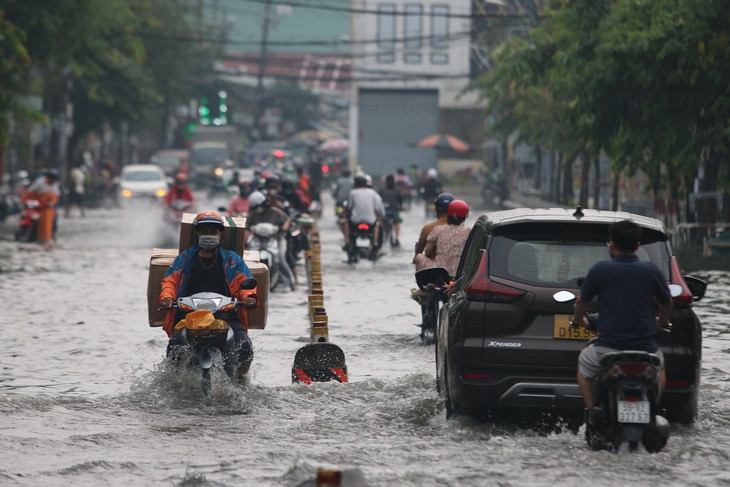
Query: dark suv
504, 342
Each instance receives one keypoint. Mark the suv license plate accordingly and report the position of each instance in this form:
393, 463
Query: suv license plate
633, 412
563, 331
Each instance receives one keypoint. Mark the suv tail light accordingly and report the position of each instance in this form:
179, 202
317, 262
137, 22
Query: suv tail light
685, 298
481, 288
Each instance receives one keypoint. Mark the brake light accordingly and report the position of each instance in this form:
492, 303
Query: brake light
633, 398
677, 383
278, 154
325, 168
685, 296
632, 368
363, 226
481, 288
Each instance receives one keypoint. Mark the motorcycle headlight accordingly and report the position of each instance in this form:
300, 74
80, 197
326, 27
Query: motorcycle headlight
206, 304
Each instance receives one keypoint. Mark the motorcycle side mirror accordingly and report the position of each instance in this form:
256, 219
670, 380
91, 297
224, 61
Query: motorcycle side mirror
248, 283
433, 278
563, 296
222, 209
675, 290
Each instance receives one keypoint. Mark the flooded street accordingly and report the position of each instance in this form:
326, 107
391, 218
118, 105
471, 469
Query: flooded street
86, 397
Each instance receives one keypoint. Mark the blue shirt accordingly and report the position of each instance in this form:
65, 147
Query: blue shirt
626, 288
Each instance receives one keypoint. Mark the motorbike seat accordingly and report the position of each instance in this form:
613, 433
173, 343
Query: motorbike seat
629, 355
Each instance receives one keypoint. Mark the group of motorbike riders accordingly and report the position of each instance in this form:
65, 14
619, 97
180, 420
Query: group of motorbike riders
627, 288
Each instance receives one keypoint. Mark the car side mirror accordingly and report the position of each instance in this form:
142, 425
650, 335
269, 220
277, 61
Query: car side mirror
696, 286
248, 283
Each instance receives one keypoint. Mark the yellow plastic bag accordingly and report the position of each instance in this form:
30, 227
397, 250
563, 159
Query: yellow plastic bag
201, 320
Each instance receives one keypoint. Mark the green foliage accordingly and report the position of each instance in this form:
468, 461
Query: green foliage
646, 81
115, 60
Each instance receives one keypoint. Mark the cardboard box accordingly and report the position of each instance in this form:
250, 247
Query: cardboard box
161, 260
257, 316
234, 233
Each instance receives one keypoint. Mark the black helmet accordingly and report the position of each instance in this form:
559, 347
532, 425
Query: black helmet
53, 174
273, 181
360, 181
442, 202
287, 184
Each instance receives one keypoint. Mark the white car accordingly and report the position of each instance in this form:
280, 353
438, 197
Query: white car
143, 181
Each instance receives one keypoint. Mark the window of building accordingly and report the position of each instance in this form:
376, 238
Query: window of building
386, 26
412, 58
439, 58
413, 26
439, 26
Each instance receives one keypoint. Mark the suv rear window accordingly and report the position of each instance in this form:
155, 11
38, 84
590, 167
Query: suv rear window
550, 262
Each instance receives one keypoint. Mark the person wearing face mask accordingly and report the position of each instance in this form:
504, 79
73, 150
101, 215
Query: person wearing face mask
239, 205
206, 267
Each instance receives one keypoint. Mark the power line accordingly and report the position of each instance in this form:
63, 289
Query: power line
376, 12
347, 42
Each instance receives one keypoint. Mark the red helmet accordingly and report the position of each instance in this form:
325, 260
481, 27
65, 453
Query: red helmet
458, 208
208, 217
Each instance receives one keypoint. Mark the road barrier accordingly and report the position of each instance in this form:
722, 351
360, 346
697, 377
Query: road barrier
320, 360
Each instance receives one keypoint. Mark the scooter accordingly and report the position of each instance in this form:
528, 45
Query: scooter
361, 247
624, 395
263, 237
433, 281
30, 215
207, 338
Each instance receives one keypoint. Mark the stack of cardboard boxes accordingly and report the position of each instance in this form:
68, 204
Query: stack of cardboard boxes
233, 239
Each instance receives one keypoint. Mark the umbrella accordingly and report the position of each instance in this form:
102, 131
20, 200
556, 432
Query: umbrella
334, 146
443, 141
310, 138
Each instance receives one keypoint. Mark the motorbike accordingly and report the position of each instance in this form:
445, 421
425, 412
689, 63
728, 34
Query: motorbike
30, 215
361, 236
173, 214
209, 340
263, 237
297, 237
433, 281
624, 395
389, 220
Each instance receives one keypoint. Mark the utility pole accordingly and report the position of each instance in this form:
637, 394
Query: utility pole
262, 67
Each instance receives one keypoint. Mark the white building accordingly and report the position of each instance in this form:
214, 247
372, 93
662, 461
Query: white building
410, 64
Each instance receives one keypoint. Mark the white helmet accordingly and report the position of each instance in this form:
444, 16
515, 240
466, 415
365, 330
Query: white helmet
255, 199
432, 173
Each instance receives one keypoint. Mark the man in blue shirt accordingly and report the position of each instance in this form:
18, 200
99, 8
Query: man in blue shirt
626, 288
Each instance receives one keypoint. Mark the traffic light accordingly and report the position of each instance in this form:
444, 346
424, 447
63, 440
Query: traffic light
222, 118
204, 111
213, 108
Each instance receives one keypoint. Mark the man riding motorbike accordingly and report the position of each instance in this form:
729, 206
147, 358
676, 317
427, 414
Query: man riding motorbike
365, 206
261, 211
627, 289
206, 267
441, 206
179, 199
239, 205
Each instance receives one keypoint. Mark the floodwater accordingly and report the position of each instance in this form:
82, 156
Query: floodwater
86, 397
